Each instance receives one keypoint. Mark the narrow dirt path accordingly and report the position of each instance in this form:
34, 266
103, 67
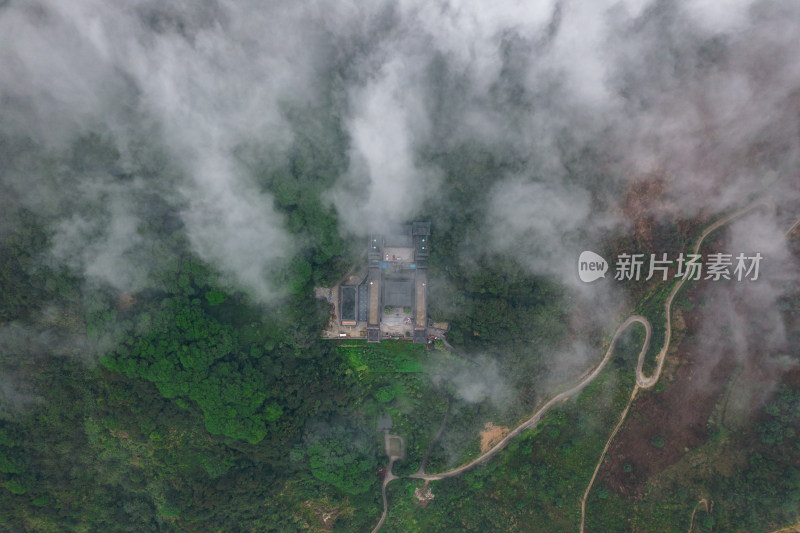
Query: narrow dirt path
434, 441
791, 229
389, 477
694, 512
645, 382
603, 453
789, 529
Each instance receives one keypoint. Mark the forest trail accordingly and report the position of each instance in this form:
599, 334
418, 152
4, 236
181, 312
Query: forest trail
434, 441
694, 512
789, 529
389, 477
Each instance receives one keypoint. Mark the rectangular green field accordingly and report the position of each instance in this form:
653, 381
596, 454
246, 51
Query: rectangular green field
388, 356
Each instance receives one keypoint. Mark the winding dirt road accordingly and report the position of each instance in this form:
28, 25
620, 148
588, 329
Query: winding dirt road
642, 381
534, 419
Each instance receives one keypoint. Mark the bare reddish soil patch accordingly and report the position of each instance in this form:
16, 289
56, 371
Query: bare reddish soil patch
792, 378
422, 496
697, 378
325, 515
491, 435
125, 301
637, 205
678, 415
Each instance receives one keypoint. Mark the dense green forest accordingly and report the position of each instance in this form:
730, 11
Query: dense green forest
187, 404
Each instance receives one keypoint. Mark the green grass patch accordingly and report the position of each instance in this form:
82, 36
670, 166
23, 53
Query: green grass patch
388, 356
